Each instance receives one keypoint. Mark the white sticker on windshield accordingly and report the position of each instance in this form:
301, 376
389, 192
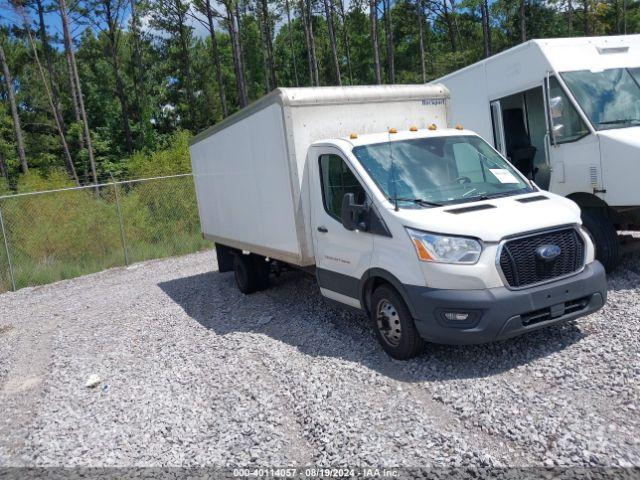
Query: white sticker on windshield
505, 176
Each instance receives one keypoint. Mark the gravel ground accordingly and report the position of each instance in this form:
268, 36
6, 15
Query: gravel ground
194, 373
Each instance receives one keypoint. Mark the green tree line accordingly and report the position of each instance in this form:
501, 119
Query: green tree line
110, 82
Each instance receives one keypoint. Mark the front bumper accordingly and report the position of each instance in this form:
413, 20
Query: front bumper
499, 313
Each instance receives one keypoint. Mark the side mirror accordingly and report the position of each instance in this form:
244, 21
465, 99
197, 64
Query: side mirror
352, 215
556, 105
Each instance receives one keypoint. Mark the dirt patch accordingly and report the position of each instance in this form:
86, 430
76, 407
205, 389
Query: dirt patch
6, 328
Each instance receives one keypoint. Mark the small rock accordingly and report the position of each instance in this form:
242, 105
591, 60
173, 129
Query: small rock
93, 381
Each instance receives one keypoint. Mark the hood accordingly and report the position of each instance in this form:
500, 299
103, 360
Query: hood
627, 136
503, 217
620, 153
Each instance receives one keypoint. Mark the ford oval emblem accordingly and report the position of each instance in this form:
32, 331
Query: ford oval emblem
548, 252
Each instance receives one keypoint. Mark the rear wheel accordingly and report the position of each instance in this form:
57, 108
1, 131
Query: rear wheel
245, 274
263, 269
395, 328
604, 236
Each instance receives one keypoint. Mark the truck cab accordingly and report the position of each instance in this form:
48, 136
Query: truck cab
461, 243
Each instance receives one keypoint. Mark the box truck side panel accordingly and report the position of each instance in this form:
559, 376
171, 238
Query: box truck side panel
243, 183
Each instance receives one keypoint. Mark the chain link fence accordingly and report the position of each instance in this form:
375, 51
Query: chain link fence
53, 235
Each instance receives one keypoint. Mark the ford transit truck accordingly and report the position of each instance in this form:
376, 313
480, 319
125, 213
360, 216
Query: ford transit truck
424, 227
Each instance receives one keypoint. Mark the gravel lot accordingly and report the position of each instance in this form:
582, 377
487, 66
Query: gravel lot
194, 373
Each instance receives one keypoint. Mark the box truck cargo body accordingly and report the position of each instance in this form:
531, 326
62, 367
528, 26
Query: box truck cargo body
566, 112
427, 229
259, 155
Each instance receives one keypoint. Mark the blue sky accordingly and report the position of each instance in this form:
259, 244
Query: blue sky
54, 27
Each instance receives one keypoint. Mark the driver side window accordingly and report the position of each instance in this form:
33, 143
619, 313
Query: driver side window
566, 122
337, 180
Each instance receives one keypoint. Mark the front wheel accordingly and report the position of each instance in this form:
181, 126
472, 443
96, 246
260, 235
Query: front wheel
394, 325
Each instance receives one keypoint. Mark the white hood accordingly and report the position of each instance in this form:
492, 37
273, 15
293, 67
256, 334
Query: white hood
620, 153
509, 217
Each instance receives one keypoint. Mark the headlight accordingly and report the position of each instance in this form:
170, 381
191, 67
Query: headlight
441, 248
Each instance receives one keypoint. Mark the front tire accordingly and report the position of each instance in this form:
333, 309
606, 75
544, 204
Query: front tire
604, 236
394, 325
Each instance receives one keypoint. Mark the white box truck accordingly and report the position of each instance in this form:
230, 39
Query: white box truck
566, 112
427, 229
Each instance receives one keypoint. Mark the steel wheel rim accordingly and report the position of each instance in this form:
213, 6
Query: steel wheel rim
388, 321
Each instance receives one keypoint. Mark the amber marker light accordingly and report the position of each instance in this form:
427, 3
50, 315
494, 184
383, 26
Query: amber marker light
353, 136
413, 128
459, 127
433, 126
421, 251
393, 130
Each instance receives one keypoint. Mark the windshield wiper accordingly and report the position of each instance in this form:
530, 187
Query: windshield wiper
622, 120
418, 201
485, 196
504, 194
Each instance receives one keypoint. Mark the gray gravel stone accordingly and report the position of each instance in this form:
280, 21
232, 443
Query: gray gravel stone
195, 373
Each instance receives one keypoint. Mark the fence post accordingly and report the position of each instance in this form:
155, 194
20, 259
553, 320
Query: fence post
120, 220
6, 247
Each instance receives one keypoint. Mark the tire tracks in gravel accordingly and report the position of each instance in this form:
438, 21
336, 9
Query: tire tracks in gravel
501, 448
299, 452
21, 392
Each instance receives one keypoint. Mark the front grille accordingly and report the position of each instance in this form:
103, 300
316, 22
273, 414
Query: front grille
521, 267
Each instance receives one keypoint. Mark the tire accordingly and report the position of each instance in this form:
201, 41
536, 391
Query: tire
605, 237
388, 311
244, 269
263, 269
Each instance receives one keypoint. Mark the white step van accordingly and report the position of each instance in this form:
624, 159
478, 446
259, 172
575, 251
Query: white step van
427, 229
565, 112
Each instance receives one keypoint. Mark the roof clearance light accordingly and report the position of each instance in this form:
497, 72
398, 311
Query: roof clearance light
433, 126
393, 130
353, 136
413, 128
459, 127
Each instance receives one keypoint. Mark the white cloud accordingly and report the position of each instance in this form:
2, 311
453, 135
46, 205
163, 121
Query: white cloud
199, 28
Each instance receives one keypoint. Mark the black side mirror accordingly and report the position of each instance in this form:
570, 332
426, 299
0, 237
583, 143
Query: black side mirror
352, 215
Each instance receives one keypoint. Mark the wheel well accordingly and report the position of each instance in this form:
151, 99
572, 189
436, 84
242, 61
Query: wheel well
588, 201
369, 287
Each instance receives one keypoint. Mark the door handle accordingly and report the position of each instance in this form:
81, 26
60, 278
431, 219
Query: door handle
322, 229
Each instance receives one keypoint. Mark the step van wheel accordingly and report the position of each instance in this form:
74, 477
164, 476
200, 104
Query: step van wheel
394, 325
245, 272
605, 237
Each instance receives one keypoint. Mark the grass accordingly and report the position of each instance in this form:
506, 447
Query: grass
61, 235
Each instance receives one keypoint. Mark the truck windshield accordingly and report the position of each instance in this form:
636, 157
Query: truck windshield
439, 170
610, 98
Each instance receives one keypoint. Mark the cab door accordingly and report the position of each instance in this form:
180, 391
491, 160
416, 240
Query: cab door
573, 150
342, 256
498, 127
